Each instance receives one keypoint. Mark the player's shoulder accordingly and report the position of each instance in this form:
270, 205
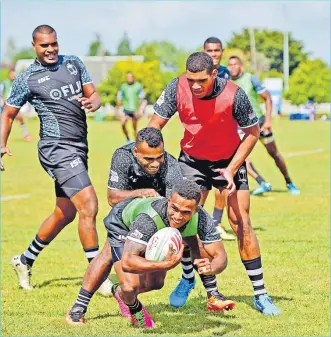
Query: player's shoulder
171, 160
124, 152
70, 58
173, 83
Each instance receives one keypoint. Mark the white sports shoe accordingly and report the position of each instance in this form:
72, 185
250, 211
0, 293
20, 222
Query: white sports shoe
105, 288
224, 235
23, 272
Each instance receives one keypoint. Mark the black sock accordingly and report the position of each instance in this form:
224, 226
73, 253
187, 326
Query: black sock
217, 216
255, 274
114, 288
210, 283
288, 180
188, 272
135, 307
260, 180
91, 252
83, 299
34, 249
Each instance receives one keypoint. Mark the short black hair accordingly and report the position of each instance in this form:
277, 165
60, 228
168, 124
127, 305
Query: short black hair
235, 57
44, 29
187, 189
199, 61
213, 39
152, 136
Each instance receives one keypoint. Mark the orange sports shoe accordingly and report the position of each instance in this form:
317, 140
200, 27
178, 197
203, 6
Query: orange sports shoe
218, 302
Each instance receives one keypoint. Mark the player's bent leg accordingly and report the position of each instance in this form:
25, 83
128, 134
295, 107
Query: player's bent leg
216, 301
86, 203
220, 202
134, 126
63, 214
238, 212
124, 121
264, 186
95, 276
126, 295
280, 163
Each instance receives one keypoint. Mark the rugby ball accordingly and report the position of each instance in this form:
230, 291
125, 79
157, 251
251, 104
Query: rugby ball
158, 245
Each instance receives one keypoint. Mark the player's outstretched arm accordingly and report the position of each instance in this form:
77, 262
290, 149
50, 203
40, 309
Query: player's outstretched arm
116, 196
218, 260
133, 262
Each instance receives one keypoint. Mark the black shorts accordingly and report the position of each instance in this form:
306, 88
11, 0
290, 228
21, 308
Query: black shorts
204, 173
73, 185
116, 230
265, 138
130, 114
63, 160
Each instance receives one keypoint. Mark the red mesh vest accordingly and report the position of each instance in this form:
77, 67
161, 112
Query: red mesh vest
211, 133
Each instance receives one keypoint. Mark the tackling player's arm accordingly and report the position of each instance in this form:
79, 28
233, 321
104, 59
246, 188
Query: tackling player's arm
243, 113
133, 261
165, 107
216, 261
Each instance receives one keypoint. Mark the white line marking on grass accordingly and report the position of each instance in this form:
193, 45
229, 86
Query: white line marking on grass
302, 153
13, 197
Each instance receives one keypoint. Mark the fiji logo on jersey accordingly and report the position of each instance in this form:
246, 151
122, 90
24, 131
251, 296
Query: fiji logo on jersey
69, 91
72, 69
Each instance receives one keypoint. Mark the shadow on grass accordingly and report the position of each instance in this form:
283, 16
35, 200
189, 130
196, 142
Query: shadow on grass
249, 299
57, 282
190, 319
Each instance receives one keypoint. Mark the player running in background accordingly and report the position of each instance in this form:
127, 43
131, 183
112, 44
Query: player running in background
210, 109
131, 96
60, 89
254, 88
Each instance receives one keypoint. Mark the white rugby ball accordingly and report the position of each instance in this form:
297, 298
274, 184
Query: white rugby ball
158, 244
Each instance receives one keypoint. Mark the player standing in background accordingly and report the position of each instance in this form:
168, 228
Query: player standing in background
254, 88
131, 96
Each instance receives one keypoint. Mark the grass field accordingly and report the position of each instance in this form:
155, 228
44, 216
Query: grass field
293, 231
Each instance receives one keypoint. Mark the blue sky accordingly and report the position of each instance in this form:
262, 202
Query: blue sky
185, 23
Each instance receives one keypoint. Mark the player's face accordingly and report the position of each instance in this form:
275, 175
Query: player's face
11, 75
202, 83
129, 78
235, 68
46, 48
180, 210
215, 51
149, 158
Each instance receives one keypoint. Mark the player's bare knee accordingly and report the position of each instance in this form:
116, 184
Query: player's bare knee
129, 289
157, 284
89, 210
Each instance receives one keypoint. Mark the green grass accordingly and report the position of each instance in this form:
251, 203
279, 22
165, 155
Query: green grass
293, 232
